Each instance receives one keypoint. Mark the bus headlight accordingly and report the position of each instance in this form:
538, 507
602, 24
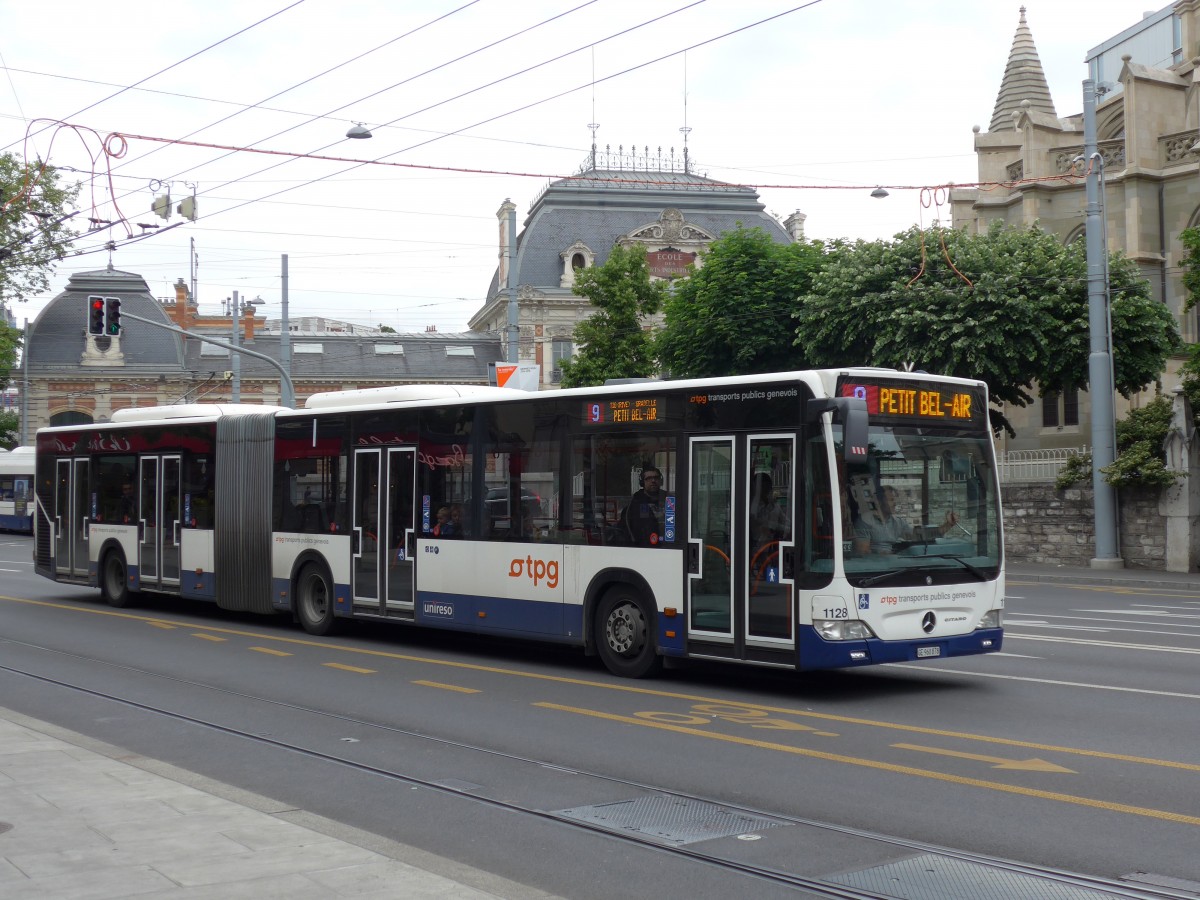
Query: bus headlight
842, 629
991, 619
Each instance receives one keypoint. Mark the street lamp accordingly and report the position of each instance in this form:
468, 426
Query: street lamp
359, 132
1100, 359
879, 193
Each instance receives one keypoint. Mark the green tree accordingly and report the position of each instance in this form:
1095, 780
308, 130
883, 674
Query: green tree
34, 234
733, 315
612, 342
1008, 307
34, 229
10, 424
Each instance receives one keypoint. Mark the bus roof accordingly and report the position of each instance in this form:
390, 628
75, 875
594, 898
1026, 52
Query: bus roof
198, 411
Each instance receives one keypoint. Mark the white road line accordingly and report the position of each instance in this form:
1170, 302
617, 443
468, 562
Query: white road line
920, 667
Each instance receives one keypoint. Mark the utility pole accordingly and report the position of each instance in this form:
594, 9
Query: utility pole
285, 341
514, 330
235, 363
1100, 377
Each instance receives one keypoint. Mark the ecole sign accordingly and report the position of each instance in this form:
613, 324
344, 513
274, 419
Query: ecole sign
669, 262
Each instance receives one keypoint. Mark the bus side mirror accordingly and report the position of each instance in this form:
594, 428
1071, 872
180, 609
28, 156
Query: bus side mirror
852, 413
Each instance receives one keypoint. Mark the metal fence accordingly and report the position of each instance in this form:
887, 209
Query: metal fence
1034, 465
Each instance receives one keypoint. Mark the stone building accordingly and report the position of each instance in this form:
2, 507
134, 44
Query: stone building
615, 198
71, 376
1148, 121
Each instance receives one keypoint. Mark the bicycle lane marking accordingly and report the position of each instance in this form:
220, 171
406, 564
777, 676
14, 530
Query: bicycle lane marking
894, 768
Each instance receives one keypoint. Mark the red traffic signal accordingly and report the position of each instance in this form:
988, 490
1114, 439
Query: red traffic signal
96, 315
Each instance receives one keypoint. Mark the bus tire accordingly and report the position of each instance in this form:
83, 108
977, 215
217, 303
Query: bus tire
625, 634
314, 600
114, 580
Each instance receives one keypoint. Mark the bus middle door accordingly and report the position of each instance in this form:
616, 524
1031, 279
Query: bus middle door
158, 521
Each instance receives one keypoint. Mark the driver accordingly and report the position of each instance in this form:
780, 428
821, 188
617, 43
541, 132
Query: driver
883, 528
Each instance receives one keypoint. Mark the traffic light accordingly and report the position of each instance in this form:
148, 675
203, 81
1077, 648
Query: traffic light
187, 208
95, 315
112, 317
161, 206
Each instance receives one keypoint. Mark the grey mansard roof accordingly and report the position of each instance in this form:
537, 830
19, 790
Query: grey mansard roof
57, 335
440, 357
599, 206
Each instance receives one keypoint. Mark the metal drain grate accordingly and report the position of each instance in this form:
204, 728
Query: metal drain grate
675, 820
932, 877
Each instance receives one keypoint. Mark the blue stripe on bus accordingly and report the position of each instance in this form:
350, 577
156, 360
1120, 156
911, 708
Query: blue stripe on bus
198, 587
817, 653
469, 612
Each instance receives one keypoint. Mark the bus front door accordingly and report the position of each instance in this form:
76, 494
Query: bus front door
384, 529
158, 522
71, 513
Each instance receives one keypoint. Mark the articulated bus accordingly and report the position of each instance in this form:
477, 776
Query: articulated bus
16, 490
802, 520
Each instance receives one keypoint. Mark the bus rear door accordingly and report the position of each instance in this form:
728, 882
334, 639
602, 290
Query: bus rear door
71, 511
158, 522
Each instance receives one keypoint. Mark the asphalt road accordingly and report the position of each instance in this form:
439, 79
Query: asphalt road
1075, 748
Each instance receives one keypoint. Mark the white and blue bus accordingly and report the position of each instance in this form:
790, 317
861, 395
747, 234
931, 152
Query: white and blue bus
802, 520
16, 490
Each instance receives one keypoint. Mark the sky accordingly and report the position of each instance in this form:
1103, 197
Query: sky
471, 102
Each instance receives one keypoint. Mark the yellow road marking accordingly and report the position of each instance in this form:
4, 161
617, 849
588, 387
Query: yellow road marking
346, 668
447, 687
998, 762
886, 767
165, 626
269, 650
626, 688
209, 637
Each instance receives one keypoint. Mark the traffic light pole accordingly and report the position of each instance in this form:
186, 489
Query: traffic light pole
287, 389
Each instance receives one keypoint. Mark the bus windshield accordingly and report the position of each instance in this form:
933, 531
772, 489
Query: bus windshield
921, 508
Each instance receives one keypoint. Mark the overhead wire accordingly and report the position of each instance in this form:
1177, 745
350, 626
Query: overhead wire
173, 65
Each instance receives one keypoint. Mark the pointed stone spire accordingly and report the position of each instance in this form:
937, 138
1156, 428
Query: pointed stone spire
1023, 80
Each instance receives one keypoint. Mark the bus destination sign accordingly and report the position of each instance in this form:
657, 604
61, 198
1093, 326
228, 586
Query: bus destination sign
917, 402
632, 411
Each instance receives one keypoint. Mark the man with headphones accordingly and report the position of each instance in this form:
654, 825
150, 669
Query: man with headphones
643, 515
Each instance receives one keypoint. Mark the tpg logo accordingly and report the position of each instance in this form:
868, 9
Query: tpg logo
537, 569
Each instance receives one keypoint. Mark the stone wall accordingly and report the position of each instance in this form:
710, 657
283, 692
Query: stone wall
1045, 525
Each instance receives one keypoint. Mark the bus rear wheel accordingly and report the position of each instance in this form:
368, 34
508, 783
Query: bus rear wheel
114, 580
314, 600
624, 634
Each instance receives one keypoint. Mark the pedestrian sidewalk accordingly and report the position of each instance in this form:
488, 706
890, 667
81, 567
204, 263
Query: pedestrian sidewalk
84, 820
1184, 581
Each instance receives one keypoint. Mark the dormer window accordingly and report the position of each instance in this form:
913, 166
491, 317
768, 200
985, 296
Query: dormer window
578, 256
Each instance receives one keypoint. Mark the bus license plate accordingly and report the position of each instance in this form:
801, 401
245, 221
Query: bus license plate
925, 652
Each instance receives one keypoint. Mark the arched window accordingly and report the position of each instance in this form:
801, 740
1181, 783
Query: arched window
71, 417
578, 261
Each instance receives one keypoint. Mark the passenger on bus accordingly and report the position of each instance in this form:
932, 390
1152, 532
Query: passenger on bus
127, 505
882, 528
642, 519
768, 520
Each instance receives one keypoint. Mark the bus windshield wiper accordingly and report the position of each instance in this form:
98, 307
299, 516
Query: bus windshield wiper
875, 579
970, 567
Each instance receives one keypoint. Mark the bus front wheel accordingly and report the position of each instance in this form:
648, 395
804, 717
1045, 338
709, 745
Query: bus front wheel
114, 580
624, 635
314, 599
